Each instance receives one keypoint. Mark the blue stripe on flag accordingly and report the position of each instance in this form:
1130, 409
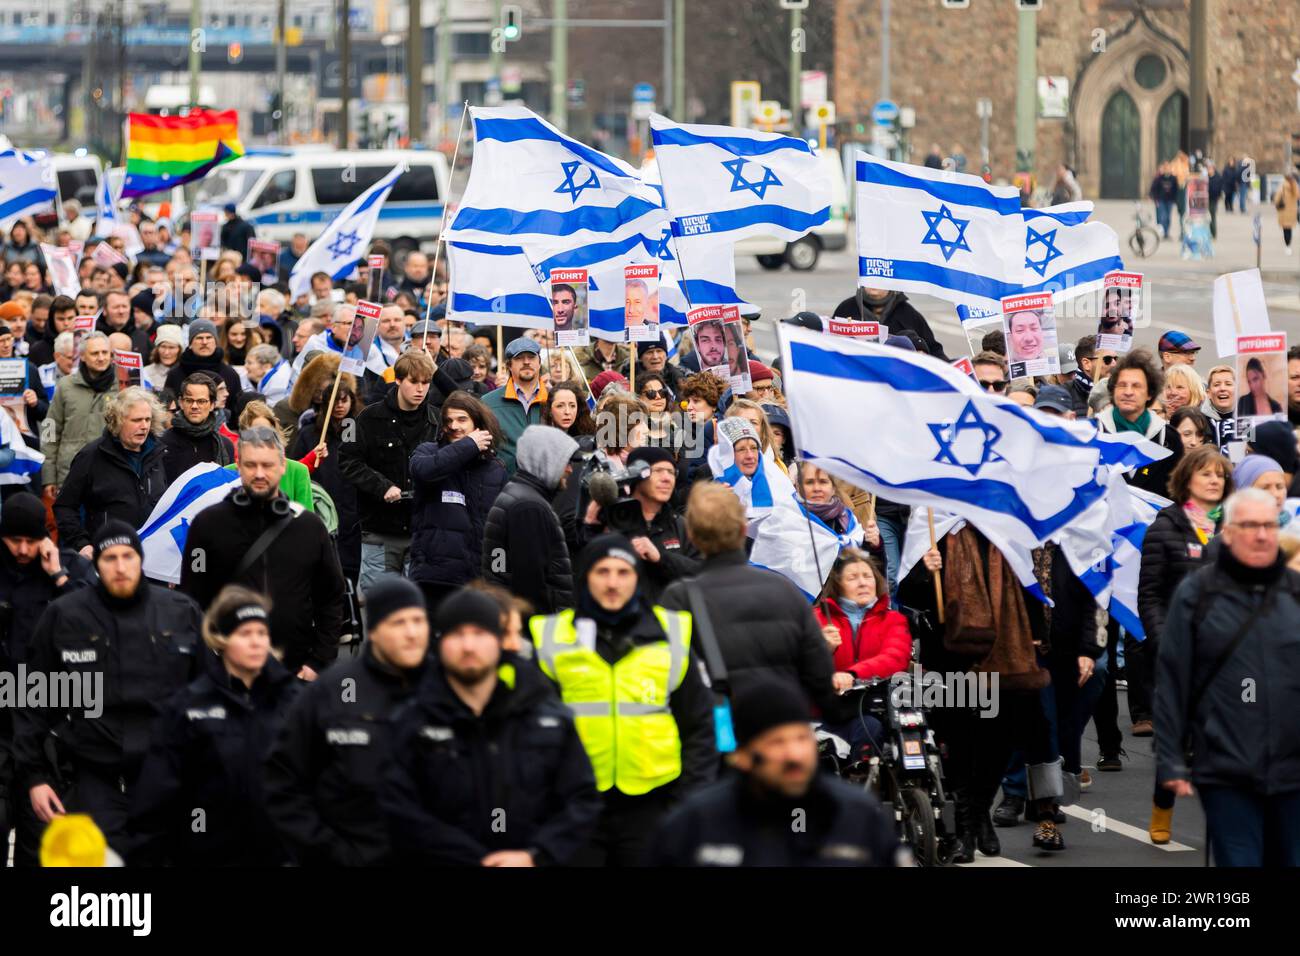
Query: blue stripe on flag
1078, 275
514, 304
770, 213
194, 489
1077, 218
957, 193
739, 145
508, 222
946, 278
26, 200
884, 370
518, 130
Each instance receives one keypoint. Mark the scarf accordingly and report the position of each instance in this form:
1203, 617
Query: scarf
854, 612
984, 607
832, 513
1204, 523
1140, 426
588, 607
1082, 380
205, 430
101, 382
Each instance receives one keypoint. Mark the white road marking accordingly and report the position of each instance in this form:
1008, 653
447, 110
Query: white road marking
1125, 829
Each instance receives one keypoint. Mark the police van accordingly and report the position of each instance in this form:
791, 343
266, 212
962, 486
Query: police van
283, 192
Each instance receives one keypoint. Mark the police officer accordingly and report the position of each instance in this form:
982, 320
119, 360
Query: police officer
624, 667
124, 647
33, 572
488, 768
199, 801
324, 772
779, 809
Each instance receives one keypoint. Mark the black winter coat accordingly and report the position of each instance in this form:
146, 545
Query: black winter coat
764, 625
25, 592
1246, 741
1170, 551
455, 775
379, 457
181, 452
898, 315
677, 556
524, 549
455, 487
325, 770
189, 363
146, 648
329, 475
732, 824
299, 572
208, 749
102, 484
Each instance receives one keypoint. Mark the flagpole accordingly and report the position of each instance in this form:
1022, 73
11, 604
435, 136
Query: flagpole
938, 584
437, 249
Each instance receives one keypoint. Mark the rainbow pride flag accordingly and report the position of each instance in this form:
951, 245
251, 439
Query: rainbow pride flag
166, 151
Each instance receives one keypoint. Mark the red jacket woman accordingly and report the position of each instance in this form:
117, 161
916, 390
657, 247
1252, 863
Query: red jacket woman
881, 643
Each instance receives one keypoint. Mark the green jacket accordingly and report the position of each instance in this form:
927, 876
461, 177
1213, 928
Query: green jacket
295, 482
75, 418
513, 418
591, 365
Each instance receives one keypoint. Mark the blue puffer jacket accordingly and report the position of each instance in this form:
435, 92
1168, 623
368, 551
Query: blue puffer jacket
454, 487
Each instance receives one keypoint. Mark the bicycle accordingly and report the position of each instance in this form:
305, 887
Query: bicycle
1145, 239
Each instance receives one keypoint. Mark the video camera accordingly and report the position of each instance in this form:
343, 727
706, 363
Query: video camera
610, 484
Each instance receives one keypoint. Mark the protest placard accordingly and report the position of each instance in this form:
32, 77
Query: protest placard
1121, 307
641, 302
569, 307
1029, 323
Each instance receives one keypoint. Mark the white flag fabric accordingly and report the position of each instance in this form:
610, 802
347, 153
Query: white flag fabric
938, 233
345, 240
723, 183
1065, 254
26, 461
919, 432
105, 209
277, 382
163, 535
532, 186
26, 182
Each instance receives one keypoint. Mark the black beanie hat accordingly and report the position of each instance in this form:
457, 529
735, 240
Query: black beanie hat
22, 516
651, 455
767, 702
388, 594
113, 533
605, 546
468, 606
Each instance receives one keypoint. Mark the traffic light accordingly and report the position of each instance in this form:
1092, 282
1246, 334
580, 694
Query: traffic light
1034, 5
512, 21
956, 4
234, 52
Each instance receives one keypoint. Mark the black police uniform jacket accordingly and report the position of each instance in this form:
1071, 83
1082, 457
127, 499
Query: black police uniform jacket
323, 775
207, 754
516, 777
146, 648
732, 824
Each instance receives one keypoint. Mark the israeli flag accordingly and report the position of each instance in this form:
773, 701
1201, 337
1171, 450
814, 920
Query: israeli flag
277, 383
495, 285
1113, 576
105, 209
1065, 254
726, 183
324, 342
27, 181
759, 492
345, 240
921, 433
799, 546
532, 186
164, 534
938, 233
26, 461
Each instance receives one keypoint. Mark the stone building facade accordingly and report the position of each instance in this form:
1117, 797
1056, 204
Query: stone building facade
1128, 68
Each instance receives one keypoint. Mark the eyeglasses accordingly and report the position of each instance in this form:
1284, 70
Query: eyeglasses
654, 394
767, 389
1109, 359
1255, 527
259, 433
994, 385
196, 401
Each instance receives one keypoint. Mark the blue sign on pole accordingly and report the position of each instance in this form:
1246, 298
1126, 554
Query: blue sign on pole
884, 113
643, 93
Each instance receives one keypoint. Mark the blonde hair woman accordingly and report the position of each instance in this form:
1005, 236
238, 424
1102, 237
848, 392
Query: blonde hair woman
1183, 389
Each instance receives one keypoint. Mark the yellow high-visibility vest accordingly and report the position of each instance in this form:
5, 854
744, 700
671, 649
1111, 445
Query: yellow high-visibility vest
621, 709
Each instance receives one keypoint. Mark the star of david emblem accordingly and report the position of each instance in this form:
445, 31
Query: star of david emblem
664, 251
1048, 242
948, 434
739, 182
571, 185
933, 238
343, 244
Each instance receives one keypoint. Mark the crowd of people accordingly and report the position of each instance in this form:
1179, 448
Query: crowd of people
489, 602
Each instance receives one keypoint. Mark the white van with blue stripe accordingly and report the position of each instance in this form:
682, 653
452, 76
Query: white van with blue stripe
283, 192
